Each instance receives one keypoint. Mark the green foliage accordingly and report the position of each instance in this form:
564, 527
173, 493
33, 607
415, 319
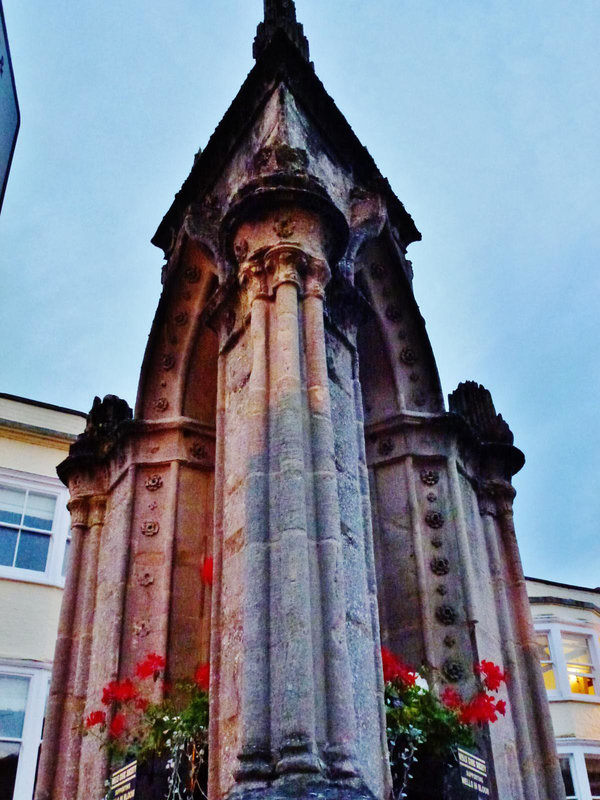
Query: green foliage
415, 708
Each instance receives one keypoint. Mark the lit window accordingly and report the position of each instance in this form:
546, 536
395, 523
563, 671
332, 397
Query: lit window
580, 670
543, 644
570, 660
567, 773
592, 764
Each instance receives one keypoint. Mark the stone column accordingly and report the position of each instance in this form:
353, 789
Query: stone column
541, 724
79, 508
283, 702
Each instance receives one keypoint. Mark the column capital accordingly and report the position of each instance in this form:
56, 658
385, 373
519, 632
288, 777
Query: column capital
496, 497
97, 511
79, 508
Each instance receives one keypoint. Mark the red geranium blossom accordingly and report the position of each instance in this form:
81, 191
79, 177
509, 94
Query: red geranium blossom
95, 718
150, 666
206, 571
491, 675
126, 690
117, 726
501, 707
108, 692
480, 709
396, 670
202, 677
120, 692
451, 698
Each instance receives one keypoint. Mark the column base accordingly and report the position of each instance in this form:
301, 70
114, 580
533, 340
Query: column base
303, 788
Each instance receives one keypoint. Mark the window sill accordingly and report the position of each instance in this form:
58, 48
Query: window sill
574, 698
29, 576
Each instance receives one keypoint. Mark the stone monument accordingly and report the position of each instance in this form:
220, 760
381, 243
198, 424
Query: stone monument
290, 422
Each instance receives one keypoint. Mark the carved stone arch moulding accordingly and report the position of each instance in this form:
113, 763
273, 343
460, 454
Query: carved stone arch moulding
192, 279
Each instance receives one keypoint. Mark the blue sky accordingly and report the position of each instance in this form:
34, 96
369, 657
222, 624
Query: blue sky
484, 116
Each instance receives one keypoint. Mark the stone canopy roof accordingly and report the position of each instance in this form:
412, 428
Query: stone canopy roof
282, 60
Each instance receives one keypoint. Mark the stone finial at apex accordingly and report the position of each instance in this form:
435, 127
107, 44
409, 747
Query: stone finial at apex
280, 15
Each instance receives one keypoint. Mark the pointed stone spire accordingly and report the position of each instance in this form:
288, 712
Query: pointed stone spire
280, 14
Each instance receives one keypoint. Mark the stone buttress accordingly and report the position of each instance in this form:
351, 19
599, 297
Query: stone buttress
290, 422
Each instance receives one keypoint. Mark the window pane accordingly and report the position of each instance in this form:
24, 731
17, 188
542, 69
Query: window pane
9, 758
65, 565
593, 770
13, 697
11, 505
548, 674
565, 768
543, 650
33, 551
543, 646
576, 648
39, 512
8, 542
581, 685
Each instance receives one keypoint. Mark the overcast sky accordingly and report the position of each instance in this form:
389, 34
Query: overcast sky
484, 116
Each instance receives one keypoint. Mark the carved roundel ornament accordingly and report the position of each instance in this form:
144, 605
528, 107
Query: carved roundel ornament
447, 615
153, 483
181, 318
429, 477
434, 519
453, 671
440, 566
150, 527
168, 361
408, 356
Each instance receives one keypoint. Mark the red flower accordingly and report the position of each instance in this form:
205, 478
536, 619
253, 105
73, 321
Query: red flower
150, 666
501, 707
95, 718
480, 709
141, 703
451, 698
206, 571
117, 726
125, 691
491, 675
119, 692
109, 693
202, 677
396, 670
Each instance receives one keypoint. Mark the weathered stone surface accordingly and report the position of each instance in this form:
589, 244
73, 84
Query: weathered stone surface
290, 421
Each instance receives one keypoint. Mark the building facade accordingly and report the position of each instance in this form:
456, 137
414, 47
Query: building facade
34, 544
567, 624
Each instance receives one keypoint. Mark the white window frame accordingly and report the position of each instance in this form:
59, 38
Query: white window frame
59, 534
39, 679
563, 690
578, 749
